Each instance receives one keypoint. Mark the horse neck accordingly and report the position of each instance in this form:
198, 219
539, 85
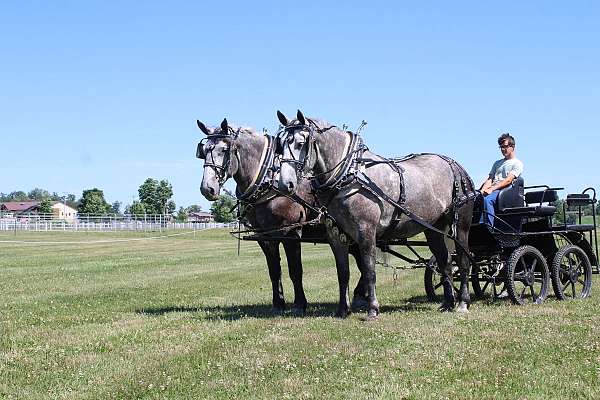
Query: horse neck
250, 150
332, 147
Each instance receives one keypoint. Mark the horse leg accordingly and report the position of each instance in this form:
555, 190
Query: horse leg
340, 252
271, 251
294, 260
439, 249
367, 256
359, 298
462, 235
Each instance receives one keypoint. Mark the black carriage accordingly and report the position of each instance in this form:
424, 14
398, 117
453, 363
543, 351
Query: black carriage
525, 252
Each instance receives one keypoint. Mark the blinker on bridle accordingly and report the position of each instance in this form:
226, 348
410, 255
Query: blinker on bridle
299, 164
220, 170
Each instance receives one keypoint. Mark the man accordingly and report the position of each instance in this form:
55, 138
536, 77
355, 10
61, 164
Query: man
503, 172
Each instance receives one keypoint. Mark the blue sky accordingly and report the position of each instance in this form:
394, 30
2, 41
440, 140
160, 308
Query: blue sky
106, 94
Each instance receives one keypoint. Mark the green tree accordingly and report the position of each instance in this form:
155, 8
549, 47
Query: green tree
164, 192
115, 208
17, 196
194, 208
93, 202
38, 194
137, 208
182, 215
72, 201
45, 206
156, 196
148, 196
222, 208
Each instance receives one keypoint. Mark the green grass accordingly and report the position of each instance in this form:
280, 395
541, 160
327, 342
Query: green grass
185, 317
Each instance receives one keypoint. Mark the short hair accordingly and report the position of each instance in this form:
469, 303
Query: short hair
506, 136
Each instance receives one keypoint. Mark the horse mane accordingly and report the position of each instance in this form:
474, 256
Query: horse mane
321, 124
241, 129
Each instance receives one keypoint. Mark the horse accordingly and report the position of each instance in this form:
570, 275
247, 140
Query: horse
248, 157
372, 200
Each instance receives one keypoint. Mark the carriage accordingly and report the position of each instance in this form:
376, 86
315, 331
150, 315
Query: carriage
526, 252
520, 258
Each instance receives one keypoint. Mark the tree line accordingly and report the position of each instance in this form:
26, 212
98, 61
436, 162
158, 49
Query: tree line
155, 197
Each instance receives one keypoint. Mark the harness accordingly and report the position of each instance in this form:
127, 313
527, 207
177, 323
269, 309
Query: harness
351, 170
262, 182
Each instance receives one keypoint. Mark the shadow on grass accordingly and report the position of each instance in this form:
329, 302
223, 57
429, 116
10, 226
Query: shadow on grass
265, 311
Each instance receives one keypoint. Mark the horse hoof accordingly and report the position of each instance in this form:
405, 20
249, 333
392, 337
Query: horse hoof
463, 308
446, 308
359, 303
372, 315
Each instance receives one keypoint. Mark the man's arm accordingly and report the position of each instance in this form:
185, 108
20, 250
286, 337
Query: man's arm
486, 185
500, 185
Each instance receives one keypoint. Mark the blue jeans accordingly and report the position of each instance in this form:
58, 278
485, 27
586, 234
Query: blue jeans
489, 204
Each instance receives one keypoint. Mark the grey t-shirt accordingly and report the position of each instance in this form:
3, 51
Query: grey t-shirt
503, 167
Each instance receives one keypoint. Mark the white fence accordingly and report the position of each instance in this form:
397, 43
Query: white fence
101, 223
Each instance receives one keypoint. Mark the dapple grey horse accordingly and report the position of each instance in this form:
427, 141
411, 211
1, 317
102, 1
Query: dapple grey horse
428, 182
240, 153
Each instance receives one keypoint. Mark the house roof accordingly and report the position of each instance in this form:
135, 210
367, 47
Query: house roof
200, 214
19, 206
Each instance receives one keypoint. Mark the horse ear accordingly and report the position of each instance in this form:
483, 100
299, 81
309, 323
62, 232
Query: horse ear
202, 127
224, 126
301, 118
282, 118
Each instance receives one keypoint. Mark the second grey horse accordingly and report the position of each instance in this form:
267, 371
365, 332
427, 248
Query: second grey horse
424, 184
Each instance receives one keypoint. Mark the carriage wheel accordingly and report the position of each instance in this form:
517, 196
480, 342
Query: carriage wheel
571, 273
433, 280
528, 277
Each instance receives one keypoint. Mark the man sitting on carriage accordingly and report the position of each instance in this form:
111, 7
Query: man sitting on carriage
502, 174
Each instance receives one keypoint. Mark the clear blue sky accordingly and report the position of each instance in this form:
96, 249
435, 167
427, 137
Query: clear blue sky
106, 94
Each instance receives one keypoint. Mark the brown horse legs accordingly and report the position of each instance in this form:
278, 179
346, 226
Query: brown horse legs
271, 251
294, 260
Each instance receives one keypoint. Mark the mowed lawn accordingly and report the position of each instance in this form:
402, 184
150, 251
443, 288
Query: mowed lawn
186, 318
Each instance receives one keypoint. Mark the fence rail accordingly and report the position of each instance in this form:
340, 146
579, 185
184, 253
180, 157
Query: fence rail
99, 223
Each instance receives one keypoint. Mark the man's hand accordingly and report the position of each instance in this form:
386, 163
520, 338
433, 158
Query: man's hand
487, 190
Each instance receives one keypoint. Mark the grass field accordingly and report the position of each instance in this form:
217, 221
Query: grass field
186, 318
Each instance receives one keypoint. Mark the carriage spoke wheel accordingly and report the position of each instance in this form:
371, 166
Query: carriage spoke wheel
528, 277
433, 281
571, 273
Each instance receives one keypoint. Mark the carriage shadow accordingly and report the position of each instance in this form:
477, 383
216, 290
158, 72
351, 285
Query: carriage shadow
265, 311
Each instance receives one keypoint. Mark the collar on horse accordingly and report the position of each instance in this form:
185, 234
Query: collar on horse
261, 183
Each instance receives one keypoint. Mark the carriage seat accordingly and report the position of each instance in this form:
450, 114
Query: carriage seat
534, 206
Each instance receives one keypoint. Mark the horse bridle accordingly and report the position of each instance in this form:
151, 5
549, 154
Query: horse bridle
221, 171
308, 148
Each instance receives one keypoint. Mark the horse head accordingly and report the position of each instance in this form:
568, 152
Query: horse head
296, 147
216, 151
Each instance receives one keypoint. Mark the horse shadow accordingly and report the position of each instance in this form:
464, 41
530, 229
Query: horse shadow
265, 311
